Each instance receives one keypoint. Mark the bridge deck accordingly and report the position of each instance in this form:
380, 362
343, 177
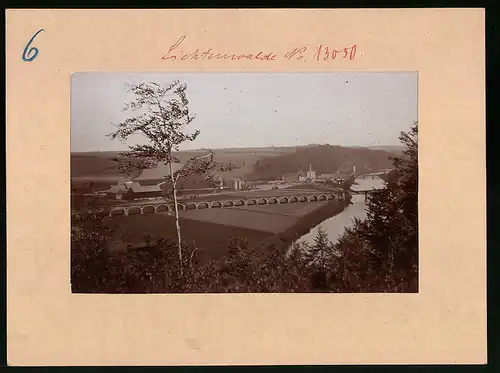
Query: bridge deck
223, 203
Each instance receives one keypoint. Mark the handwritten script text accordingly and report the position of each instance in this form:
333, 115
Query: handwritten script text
318, 53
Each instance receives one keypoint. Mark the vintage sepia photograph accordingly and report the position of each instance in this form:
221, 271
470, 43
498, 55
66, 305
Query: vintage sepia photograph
244, 182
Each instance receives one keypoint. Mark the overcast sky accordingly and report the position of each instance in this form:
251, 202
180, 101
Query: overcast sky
256, 109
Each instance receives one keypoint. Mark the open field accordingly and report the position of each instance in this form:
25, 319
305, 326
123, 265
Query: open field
288, 209
210, 237
250, 219
210, 229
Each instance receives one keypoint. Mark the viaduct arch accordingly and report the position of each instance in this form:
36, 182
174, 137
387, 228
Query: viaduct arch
163, 207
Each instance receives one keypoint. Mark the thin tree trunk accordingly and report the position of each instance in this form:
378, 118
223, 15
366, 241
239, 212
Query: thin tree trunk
176, 209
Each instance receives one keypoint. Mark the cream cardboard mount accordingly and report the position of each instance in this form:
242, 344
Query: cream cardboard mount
445, 322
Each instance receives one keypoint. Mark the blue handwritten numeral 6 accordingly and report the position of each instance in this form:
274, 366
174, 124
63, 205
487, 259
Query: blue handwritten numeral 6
31, 53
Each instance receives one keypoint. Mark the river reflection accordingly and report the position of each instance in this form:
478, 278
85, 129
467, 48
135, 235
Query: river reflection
336, 225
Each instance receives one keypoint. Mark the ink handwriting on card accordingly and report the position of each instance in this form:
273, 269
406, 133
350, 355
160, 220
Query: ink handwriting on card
324, 53
176, 53
29, 54
321, 52
297, 53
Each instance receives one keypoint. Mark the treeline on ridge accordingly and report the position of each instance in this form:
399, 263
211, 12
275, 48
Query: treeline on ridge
323, 159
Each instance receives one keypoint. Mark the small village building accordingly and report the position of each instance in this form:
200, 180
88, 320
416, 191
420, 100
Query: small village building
311, 174
156, 182
300, 176
137, 191
132, 190
237, 183
116, 191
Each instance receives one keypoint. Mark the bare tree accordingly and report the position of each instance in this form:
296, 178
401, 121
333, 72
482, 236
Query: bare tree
160, 114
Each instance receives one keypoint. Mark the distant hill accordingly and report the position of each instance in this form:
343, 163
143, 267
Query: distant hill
397, 149
323, 159
255, 163
99, 166
390, 148
94, 164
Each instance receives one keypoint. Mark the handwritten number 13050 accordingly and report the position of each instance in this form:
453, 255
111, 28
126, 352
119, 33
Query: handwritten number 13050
30, 54
325, 53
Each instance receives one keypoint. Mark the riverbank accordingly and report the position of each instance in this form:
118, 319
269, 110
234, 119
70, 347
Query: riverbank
283, 240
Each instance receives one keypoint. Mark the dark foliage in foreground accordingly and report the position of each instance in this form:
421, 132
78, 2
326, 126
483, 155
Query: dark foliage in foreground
379, 254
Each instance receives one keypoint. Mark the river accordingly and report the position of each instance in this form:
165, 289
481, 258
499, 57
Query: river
336, 225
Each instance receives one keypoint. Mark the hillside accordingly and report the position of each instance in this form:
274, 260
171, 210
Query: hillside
323, 159
389, 148
99, 166
255, 163
93, 164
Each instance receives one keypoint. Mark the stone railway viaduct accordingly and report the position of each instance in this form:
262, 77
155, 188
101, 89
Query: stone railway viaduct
196, 205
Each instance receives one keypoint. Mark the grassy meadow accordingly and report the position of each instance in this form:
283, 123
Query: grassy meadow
210, 228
